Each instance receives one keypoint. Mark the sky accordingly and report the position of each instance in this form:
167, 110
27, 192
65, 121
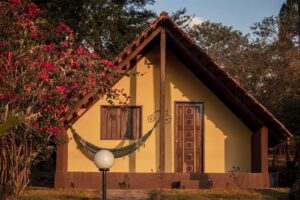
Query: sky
240, 14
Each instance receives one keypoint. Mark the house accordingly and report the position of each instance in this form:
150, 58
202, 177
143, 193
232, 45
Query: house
215, 134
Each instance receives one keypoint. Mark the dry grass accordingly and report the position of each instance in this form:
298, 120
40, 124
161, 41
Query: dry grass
77, 194
58, 194
266, 194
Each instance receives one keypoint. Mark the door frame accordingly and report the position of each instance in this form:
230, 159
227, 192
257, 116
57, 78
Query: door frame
201, 147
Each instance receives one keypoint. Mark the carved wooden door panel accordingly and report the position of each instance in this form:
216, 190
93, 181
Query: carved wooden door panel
188, 137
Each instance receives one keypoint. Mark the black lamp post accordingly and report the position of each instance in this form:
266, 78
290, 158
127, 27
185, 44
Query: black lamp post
104, 159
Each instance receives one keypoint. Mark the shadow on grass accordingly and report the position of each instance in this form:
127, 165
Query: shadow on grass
265, 194
60, 197
280, 194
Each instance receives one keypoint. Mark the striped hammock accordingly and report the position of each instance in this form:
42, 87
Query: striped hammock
90, 149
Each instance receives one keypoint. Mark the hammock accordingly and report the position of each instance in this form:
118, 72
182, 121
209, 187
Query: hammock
91, 149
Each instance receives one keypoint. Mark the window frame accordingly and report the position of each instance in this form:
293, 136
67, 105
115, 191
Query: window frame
134, 136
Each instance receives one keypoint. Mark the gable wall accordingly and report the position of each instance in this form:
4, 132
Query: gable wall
227, 141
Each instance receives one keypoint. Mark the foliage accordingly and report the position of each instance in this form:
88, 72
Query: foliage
41, 71
106, 26
9, 120
279, 83
182, 18
289, 16
266, 66
220, 42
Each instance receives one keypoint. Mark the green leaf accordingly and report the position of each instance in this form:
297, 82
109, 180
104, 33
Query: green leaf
11, 121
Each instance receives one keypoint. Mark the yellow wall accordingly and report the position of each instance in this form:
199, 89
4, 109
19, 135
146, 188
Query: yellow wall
226, 139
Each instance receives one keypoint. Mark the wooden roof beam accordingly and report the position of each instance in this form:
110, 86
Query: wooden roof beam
213, 81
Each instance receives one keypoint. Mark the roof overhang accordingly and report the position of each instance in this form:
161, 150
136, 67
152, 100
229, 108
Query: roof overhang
253, 114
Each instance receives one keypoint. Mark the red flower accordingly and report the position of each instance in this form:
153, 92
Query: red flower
75, 86
48, 47
79, 51
60, 108
44, 76
61, 89
53, 129
63, 27
15, 2
88, 64
31, 10
107, 62
94, 56
49, 67
74, 63
65, 44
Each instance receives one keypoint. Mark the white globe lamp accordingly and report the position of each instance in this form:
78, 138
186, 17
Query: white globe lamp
104, 159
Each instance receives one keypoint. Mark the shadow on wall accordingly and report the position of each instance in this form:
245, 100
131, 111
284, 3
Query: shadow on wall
237, 137
132, 93
154, 60
220, 123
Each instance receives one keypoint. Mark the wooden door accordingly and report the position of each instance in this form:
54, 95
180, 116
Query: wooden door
188, 137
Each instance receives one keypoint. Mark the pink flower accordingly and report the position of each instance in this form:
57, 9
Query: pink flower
53, 129
107, 62
88, 64
44, 76
63, 27
31, 10
74, 63
79, 51
94, 56
48, 47
15, 2
65, 44
75, 86
61, 89
49, 67
60, 108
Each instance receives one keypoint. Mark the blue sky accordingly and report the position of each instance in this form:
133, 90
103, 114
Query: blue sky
240, 14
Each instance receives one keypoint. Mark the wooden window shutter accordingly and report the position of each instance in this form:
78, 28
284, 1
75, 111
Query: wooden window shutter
119, 122
103, 123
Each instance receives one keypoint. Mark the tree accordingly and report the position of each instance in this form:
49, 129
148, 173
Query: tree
42, 69
289, 16
182, 18
105, 25
222, 43
265, 65
280, 89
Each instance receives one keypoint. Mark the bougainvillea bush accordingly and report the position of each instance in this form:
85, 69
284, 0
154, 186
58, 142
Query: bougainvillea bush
41, 71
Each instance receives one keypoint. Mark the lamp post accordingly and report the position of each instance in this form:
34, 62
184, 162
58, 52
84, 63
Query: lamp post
104, 159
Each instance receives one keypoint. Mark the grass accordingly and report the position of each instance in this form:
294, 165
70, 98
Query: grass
59, 194
266, 194
80, 194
